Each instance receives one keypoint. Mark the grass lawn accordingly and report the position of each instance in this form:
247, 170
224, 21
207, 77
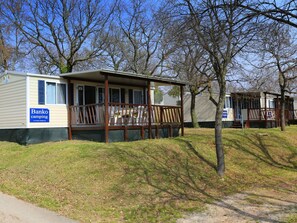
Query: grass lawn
147, 181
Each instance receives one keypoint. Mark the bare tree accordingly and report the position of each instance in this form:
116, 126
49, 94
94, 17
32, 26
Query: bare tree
279, 46
191, 64
279, 11
222, 30
136, 41
252, 73
60, 30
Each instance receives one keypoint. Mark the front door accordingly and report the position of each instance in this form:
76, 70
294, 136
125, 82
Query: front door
86, 96
90, 95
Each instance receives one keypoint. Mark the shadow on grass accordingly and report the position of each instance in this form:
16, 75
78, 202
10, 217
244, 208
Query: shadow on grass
259, 148
171, 173
191, 148
174, 174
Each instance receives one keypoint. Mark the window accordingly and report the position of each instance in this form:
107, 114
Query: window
61, 93
137, 97
228, 102
101, 96
50, 93
55, 93
271, 104
255, 103
114, 95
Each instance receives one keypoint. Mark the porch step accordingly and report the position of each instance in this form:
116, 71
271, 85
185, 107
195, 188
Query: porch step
236, 125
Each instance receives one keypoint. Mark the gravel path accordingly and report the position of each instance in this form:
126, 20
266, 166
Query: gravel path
13, 210
253, 206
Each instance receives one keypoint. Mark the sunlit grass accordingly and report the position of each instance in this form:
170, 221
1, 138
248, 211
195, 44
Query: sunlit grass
150, 180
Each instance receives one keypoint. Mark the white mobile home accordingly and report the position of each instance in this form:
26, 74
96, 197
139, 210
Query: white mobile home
100, 105
248, 109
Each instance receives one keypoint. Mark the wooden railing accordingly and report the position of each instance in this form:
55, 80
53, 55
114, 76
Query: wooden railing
271, 114
121, 114
166, 114
127, 114
262, 114
92, 114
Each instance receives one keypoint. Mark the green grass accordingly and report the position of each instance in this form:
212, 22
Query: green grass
147, 181
292, 219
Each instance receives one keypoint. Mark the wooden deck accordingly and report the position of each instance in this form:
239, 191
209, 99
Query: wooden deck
120, 114
270, 115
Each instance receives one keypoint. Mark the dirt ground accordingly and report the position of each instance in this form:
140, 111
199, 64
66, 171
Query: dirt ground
254, 206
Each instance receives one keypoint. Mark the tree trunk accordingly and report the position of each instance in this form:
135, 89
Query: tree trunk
282, 111
3, 51
218, 132
193, 112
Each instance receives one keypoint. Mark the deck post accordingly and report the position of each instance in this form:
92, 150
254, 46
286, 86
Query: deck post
149, 101
106, 117
265, 99
260, 109
69, 111
182, 109
248, 113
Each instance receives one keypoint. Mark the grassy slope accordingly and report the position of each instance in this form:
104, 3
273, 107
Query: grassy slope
147, 181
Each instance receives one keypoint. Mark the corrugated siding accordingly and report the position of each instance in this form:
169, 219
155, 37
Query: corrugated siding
205, 109
13, 102
58, 113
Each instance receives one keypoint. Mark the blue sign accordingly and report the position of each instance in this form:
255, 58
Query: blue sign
39, 115
225, 114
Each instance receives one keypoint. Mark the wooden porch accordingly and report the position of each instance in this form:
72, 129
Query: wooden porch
116, 117
270, 115
262, 109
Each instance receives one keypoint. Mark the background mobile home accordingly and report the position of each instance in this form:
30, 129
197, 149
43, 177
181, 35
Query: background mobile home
241, 109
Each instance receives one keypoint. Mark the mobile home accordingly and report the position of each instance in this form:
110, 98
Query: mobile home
241, 109
101, 105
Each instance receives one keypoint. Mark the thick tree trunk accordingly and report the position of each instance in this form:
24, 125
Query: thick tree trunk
282, 111
193, 112
218, 132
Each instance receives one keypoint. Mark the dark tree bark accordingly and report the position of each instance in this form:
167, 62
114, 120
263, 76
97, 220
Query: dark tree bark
218, 132
283, 107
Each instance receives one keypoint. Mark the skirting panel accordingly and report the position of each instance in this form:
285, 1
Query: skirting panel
32, 136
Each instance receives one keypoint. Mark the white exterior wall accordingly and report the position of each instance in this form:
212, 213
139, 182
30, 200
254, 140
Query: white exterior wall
12, 101
205, 109
58, 116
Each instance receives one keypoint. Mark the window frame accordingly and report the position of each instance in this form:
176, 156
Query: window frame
56, 93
